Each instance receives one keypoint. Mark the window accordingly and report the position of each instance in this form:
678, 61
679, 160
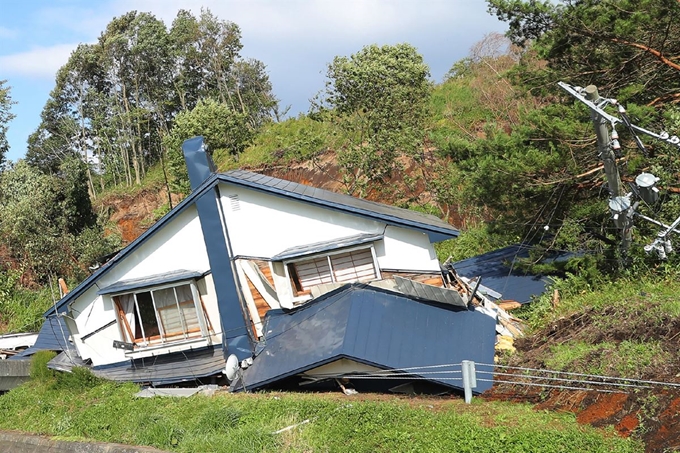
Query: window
161, 315
355, 265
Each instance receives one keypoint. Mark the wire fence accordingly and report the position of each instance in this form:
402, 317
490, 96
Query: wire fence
509, 376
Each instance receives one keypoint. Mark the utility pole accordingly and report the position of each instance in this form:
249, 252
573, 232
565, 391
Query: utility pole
620, 204
604, 145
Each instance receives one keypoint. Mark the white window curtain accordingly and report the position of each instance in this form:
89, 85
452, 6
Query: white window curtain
166, 304
187, 306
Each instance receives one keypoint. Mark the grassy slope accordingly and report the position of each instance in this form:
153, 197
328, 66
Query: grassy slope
626, 328
78, 407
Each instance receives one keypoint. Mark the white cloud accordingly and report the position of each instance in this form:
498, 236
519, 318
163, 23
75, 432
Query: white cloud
329, 20
39, 62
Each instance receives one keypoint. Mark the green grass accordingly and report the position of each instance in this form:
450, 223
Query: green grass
21, 309
293, 140
78, 406
626, 358
620, 329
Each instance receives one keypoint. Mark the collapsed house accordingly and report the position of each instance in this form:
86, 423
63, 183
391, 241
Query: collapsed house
299, 284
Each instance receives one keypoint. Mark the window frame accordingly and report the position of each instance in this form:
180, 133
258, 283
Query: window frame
204, 325
306, 294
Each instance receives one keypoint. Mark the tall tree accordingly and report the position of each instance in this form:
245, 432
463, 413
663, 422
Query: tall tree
379, 95
5, 117
629, 47
115, 101
208, 65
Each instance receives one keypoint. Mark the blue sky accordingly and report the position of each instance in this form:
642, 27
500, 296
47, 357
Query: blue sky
296, 39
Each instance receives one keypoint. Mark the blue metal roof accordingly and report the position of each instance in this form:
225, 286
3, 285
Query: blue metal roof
167, 368
53, 336
498, 273
320, 247
153, 280
373, 326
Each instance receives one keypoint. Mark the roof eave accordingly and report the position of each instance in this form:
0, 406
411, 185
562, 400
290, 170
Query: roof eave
435, 233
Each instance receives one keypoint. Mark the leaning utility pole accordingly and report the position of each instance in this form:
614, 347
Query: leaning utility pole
620, 204
604, 144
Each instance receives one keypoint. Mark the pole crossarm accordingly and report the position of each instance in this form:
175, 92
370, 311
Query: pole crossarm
577, 92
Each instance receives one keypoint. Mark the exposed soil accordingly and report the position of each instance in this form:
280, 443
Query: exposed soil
652, 415
133, 214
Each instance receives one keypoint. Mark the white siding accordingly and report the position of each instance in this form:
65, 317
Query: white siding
178, 245
265, 224
406, 249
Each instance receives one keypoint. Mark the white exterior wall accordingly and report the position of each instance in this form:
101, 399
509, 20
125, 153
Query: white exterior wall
407, 250
178, 245
266, 225
263, 225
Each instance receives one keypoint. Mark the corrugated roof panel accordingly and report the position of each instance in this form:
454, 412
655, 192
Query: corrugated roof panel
429, 292
168, 368
500, 274
378, 327
323, 246
53, 336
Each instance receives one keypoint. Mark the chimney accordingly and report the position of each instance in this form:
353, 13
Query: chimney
199, 163
233, 318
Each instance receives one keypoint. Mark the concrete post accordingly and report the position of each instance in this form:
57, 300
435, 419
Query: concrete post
469, 379
604, 145
610, 169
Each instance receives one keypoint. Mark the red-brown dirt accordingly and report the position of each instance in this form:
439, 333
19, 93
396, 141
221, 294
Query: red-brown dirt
132, 214
651, 414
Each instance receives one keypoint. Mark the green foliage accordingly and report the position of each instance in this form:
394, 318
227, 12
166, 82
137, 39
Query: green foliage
293, 140
21, 309
246, 422
626, 358
39, 371
475, 240
5, 117
47, 222
76, 206
222, 128
379, 97
621, 46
